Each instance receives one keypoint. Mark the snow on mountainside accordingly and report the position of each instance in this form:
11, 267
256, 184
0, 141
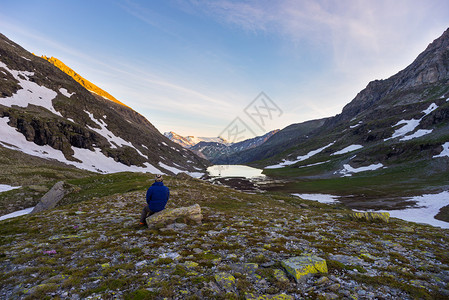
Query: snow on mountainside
44, 112
219, 153
189, 141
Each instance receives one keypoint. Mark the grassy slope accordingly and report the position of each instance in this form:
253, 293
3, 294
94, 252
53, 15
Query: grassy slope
35, 175
97, 247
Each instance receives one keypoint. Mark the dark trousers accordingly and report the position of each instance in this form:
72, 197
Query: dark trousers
146, 212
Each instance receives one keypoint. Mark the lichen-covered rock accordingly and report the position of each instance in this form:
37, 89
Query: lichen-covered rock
304, 265
370, 216
251, 296
168, 215
226, 281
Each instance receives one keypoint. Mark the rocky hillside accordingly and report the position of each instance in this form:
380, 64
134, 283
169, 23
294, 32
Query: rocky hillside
44, 112
289, 137
93, 249
396, 128
220, 153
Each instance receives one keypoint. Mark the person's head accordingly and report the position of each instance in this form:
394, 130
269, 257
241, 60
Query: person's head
158, 178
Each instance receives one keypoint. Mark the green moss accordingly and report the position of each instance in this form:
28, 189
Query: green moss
141, 294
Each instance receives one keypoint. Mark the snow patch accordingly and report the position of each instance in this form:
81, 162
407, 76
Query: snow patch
299, 158
315, 164
445, 151
348, 170
113, 140
427, 207
171, 169
417, 134
17, 213
322, 198
5, 188
31, 93
66, 92
356, 125
430, 109
348, 149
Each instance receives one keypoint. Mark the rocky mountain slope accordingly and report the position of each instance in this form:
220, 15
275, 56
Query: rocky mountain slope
221, 153
93, 249
44, 112
394, 128
189, 141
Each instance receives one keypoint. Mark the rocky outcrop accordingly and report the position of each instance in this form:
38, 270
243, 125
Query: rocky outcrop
189, 213
370, 216
430, 67
54, 196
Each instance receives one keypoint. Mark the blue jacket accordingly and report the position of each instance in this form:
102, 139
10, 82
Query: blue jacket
157, 196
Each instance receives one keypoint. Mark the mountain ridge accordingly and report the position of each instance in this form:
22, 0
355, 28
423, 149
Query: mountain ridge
81, 80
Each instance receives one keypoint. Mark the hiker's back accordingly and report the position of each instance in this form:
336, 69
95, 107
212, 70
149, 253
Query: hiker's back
157, 196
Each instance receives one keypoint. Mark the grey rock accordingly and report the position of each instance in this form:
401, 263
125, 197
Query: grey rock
53, 196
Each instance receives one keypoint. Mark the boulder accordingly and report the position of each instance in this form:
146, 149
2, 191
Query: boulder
301, 266
53, 196
170, 215
370, 216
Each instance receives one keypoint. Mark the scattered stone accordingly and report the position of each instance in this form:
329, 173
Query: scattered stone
334, 287
251, 296
197, 250
225, 281
348, 260
370, 216
268, 264
322, 281
176, 226
190, 264
301, 266
330, 296
280, 275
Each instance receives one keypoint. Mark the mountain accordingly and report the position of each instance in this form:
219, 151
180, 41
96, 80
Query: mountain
78, 78
396, 130
189, 141
220, 153
45, 112
276, 143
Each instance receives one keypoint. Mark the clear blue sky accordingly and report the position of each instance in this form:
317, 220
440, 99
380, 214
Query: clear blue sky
193, 66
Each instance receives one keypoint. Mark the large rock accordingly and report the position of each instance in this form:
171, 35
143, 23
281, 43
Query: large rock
301, 266
53, 196
170, 215
371, 216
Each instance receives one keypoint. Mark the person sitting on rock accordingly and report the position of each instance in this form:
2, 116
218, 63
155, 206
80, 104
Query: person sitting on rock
157, 197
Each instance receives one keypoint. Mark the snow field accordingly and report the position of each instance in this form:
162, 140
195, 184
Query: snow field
31, 93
